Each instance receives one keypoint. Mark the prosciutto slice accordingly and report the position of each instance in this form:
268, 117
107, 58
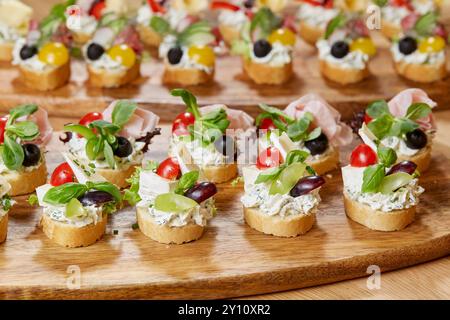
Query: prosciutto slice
399, 105
142, 122
325, 117
238, 118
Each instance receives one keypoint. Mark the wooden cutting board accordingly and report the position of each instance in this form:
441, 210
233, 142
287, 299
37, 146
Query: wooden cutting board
230, 87
230, 260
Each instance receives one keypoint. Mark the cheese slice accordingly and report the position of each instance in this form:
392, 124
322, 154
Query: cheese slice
151, 184
353, 178
184, 158
82, 175
250, 175
40, 193
368, 137
283, 143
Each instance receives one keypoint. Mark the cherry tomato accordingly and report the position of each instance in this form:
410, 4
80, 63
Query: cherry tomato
324, 3
169, 169
186, 118
218, 5
367, 118
62, 174
97, 9
90, 117
3, 121
155, 6
179, 129
363, 156
403, 3
267, 124
269, 158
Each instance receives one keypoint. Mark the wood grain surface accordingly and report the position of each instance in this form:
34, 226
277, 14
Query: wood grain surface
230, 260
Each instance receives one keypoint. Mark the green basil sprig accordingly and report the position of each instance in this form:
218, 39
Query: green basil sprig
264, 21
131, 195
11, 151
338, 22
187, 181
426, 24
50, 23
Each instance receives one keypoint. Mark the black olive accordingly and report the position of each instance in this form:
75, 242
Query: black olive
174, 55
249, 4
95, 51
318, 145
32, 154
416, 139
407, 45
95, 198
261, 48
340, 49
226, 146
124, 147
27, 52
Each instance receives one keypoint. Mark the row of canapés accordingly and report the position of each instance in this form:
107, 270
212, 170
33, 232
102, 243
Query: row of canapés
175, 198
111, 39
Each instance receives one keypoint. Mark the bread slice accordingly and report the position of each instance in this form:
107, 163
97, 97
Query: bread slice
342, 76
70, 236
310, 34
47, 80
327, 163
117, 176
376, 219
26, 182
6, 52
229, 33
3, 228
148, 36
220, 174
281, 227
421, 158
106, 79
166, 234
265, 74
424, 73
390, 30
186, 77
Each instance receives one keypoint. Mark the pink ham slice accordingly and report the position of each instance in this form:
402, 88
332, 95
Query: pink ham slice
141, 122
238, 118
325, 117
400, 103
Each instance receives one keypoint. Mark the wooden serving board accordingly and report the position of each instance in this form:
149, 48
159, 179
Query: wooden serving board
230, 259
230, 87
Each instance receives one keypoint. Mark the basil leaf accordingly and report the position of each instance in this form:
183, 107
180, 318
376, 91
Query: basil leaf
160, 25
372, 178
269, 174
314, 134
189, 100
98, 147
381, 126
105, 127
426, 24
387, 156
64, 193
378, 109
109, 155
265, 21
296, 156
407, 126
21, 111
80, 129
131, 195
187, 181
12, 154
338, 22
106, 187
418, 111
25, 130
298, 130
90, 146
275, 111
123, 111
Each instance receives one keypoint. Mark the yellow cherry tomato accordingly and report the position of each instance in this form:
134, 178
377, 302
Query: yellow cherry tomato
365, 45
284, 36
203, 55
123, 54
54, 53
432, 44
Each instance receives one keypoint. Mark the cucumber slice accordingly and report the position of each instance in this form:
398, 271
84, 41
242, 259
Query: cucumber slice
394, 181
287, 179
172, 202
74, 209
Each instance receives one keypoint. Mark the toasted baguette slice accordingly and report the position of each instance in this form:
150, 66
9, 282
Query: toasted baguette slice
376, 219
46, 80
424, 73
26, 182
166, 234
390, 30
342, 76
310, 34
265, 74
107, 79
3, 228
229, 34
280, 227
421, 158
116, 176
70, 236
149, 37
186, 77
220, 174
327, 163
6, 52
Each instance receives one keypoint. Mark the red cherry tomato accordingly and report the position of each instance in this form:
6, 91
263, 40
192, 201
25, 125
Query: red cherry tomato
179, 129
90, 117
62, 174
155, 6
169, 169
218, 5
363, 156
269, 158
97, 9
402, 3
367, 118
186, 118
267, 124
3, 121
324, 3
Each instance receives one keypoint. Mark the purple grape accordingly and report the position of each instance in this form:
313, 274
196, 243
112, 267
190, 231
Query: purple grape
201, 191
307, 184
408, 167
95, 198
